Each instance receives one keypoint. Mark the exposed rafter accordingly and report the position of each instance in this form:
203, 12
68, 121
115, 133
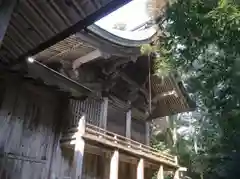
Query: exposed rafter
103, 11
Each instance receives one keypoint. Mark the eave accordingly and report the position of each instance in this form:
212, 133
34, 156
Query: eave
31, 31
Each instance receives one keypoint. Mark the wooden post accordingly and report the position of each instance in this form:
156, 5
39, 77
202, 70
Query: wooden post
176, 174
114, 165
160, 174
147, 136
79, 150
104, 111
140, 169
6, 9
128, 123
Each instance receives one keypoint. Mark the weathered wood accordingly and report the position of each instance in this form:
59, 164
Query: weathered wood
90, 107
89, 57
113, 140
128, 123
160, 174
114, 165
133, 171
79, 150
140, 169
26, 133
116, 120
104, 113
138, 130
176, 174
147, 135
6, 9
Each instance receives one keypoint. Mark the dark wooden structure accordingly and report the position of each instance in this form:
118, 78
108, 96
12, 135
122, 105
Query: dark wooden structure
80, 109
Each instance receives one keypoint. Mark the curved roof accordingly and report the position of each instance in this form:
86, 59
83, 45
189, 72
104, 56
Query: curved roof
124, 26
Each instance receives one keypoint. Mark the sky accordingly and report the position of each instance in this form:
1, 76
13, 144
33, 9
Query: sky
132, 14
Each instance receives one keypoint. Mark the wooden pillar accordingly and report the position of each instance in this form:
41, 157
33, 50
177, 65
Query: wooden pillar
128, 123
104, 111
114, 165
176, 174
140, 169
79, 150
160, 174
6, 9
147, 136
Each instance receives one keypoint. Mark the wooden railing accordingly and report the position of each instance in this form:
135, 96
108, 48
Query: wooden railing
109, 138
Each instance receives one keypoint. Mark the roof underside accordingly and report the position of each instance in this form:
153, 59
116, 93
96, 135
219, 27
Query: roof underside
36, 25
86, 63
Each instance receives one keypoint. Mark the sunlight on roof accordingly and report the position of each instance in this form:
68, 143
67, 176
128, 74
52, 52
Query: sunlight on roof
129, 21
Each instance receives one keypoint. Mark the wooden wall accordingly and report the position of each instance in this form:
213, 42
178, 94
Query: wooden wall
26, 131
90, 107
31, 120
116, 120
138, 132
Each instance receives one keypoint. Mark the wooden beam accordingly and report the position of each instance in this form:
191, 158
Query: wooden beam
114, 165
140, 169
54, 78
87, 58
6, 9
79, 150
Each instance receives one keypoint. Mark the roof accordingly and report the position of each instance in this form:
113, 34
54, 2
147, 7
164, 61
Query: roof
36, 25
81, 44
175, 100
86, 61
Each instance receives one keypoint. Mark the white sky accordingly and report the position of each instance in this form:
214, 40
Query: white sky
132, 14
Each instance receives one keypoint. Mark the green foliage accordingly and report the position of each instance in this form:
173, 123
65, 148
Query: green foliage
162, 66
158, 144
202, 41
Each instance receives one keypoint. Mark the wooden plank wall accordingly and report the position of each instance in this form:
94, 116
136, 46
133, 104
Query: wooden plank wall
26, 135
91, 107
29, 133
116, 120
29, 139
138, 130
91, 166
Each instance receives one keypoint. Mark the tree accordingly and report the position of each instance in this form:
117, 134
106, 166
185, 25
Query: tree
201, 40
